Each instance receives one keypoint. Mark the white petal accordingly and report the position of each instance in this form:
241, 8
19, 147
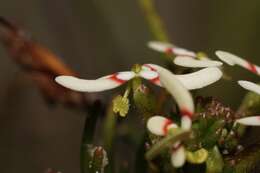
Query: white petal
186, 122
127, 75
148, 74
178, 157
183, 52
250, 121
101, 84
174, 86
201, 78
187, 61
227, 57
232, 59
159, 46
159, 125
250, 86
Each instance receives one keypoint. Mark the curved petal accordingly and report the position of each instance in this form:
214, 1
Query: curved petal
101, 84
183, 52
178, 157
187, 61
150, 75
201, 78
159, 125
250, 86
195, 80
159, 46
174, 86
232, 59
250, 121
186, 122
169, 48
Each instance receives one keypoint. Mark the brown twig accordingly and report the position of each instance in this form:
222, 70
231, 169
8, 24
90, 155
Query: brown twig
40, 64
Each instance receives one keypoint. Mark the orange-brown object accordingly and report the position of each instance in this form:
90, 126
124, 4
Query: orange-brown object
40, 64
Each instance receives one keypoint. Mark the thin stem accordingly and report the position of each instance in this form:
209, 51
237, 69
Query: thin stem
169, 140
154, 20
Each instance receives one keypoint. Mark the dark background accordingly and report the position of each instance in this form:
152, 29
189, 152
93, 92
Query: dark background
98, 37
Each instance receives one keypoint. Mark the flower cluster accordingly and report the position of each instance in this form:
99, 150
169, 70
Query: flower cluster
178, 87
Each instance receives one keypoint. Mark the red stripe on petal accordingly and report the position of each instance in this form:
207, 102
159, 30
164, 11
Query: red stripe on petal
169, 51
116, 79
155, 80
186, 112
166, 125
252, 67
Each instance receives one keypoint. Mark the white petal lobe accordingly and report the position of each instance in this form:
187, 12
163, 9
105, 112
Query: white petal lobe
159, 46
127, 75
183, 52
201, 78
250, 121
178, 157
148, 74
157, 124
187, 61
230, 58
250, 86
175, 87
83, 85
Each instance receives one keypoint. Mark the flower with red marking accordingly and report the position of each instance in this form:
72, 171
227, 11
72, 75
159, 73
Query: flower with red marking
232, 60
160, 126
184, 57
191, 81
104, 83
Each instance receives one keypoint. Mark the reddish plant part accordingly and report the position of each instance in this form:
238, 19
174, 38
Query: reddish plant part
40, 64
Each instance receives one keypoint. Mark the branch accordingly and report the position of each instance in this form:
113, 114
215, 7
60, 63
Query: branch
41, 65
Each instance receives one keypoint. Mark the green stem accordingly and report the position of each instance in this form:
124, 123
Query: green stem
88, 134
154, 20
168, 141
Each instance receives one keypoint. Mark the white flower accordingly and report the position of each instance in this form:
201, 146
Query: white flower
232, 60
160, 126
184, 57
104, 83
195, 80
179, 92
191, 81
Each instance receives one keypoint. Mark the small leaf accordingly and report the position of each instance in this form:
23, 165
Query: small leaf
197, 157
214, 163
121, 105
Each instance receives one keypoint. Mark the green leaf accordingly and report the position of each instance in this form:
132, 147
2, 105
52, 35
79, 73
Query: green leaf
213, 133
214, 163
144, 101
250, 104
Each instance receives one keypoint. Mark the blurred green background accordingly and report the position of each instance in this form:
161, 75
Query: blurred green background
98, 37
